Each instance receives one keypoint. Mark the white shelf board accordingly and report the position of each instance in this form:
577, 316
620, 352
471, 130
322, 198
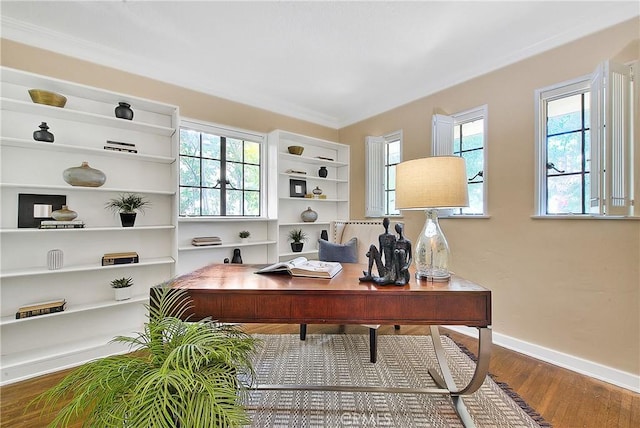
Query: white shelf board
227, 245
82, 268
301, 253
84, 117
78, 308
88, 229
81, 188
313, 161
313, 177
55, 147
307, 223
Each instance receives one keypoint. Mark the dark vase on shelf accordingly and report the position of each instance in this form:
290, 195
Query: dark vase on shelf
237, 256
322, 172
123, 111
296, 247
128, 219
324, 235
43, 134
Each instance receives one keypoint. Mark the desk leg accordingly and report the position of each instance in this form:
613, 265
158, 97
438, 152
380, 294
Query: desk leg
446, 380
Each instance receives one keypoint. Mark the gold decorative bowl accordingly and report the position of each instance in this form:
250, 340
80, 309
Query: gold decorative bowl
295, 150
40, 96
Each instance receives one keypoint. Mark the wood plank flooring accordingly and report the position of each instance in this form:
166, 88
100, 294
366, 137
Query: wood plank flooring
565, 399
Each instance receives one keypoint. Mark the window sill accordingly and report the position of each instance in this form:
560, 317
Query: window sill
581, 217
483, 216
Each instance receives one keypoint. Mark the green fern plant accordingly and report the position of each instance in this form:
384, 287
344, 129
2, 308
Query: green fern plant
179, 374
128, 203
297, 235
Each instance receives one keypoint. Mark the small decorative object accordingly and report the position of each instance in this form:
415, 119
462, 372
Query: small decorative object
84, 176
64, 214
244, 235
122, 288
297, 236
309, 215
123, 111
43, 134
397, 256
40, 96
54, 259
126, 205
322, 172
297, 188
317, 192
295, 150
324, 235
237, 257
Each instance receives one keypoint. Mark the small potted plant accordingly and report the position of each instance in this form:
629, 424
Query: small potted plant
244, 235
127, 204
297, 236
122, 287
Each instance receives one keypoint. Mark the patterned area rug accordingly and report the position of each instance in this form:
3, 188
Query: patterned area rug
343, 359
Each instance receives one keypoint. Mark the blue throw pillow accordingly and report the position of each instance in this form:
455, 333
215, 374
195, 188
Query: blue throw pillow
344, 253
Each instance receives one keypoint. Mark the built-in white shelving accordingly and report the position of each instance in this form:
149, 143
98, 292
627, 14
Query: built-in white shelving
82, 128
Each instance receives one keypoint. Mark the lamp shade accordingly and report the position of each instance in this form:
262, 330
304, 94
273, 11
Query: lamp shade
433, 182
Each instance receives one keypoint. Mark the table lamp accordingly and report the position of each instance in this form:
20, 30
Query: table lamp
427, 184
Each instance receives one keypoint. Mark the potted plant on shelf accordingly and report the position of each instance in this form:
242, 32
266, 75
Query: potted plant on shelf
122, 288
244, 235
297, 236
180, 373
127, 204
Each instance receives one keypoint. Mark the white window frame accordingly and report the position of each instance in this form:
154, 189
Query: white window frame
442, 145
615, 162
375, 172
230, 132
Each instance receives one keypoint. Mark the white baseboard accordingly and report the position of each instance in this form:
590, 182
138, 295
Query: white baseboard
579, 365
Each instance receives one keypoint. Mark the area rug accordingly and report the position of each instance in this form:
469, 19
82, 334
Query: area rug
343, 359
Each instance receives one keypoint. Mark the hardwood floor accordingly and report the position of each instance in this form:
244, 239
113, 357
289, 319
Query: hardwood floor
565, 399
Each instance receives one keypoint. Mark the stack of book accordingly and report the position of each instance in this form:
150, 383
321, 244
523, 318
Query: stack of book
120, 258
41, 308
120, 147
203, 241
57, 224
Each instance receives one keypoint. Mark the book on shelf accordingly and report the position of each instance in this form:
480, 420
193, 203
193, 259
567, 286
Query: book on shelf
41, 308
301, 266
61, 224
202, 241
120, 146
120, 258
120, 149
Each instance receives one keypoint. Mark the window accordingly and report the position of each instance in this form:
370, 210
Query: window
584, 139
464, 134
220, 171
382, 156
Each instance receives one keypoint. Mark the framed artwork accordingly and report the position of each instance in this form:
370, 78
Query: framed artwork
297, 188
32, 208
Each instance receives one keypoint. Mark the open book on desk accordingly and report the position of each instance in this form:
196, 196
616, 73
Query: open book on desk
300, 266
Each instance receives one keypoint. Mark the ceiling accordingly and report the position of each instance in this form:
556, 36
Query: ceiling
329, 62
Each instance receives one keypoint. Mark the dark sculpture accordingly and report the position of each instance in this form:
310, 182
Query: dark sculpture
237, 257
397, 258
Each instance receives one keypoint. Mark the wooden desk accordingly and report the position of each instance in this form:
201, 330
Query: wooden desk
235, 293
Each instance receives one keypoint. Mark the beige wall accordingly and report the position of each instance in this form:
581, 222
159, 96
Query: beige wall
569, 285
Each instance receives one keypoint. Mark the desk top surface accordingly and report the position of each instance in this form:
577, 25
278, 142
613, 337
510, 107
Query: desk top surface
242, 277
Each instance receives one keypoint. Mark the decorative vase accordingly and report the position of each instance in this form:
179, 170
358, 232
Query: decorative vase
43, 134
64, 214
237, 257
123, 111
84, 176
296, 247
54, 259
324, 235
123, 293
322, 172
309, 215
317, 191
128, 219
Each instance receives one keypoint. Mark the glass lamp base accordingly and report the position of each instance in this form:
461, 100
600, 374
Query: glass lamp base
435, 276
432, 254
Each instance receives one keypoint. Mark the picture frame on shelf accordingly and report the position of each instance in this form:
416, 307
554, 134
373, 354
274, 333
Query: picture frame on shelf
297, 188
34, 208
